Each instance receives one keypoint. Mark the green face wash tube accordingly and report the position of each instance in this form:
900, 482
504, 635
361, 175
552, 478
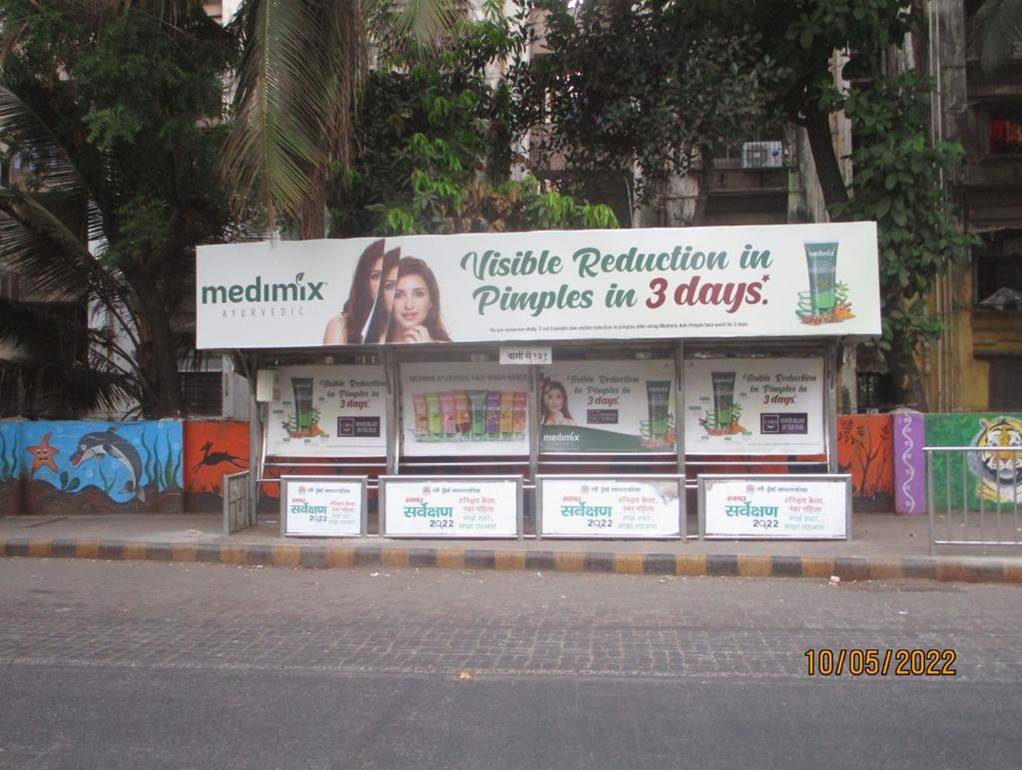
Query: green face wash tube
492, 415
433, 416
658, 401
477, 402
821, 259
304, 414
421, 418
723, 398
462, 415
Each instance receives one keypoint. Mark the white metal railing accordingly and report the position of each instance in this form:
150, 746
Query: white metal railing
974, 494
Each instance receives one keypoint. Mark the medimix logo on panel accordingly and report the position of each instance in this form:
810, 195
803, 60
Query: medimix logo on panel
263, 297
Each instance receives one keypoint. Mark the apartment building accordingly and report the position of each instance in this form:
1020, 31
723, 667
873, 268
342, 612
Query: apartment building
977, 363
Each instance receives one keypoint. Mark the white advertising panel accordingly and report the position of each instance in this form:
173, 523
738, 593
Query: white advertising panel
776, 507
780, 280
328, 411
464, 409
607, 406
754, 406
322, 506
459, 506
604, 506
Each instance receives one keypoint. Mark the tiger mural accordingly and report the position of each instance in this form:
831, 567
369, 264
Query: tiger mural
997, 469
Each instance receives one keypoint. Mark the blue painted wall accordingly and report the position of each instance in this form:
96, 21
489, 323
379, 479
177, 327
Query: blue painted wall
85, 466
11, 467
10, 450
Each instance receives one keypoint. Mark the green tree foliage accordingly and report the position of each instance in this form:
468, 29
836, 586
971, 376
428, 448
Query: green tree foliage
299, 85
434, 150
898, 184
118, 107
643, 86
804, 35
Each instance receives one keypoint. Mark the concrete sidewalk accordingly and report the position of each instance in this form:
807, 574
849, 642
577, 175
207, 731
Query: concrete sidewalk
884, 546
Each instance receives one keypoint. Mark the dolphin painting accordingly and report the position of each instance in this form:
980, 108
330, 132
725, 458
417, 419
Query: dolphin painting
109, 443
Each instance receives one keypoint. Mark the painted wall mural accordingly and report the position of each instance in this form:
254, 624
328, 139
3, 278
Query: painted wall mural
102, 466
864, 449
211, 451
170, 466
986, 478
909, 462
11, 467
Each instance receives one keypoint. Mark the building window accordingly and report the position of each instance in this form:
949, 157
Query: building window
998, 265
1006, 134
202, 393
1005, 375
875, 391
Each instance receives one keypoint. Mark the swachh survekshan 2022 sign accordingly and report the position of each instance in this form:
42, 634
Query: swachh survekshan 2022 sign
776, 281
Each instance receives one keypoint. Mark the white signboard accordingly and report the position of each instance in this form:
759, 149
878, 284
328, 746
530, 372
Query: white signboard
526, 354
464, 409
754, 406
776, 507
608, 406
613, 507
267, 386
318, 506
780, 281
459, 506
328, 411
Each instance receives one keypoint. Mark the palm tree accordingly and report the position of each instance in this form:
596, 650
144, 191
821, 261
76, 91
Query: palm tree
125, 164
303, 66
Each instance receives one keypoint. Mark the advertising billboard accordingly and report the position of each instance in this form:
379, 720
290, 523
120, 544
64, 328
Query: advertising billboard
780, 281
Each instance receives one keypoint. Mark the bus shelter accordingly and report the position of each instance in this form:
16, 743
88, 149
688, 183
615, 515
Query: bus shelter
560, 384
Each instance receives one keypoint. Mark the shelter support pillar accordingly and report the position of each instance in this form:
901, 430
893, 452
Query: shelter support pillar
255, 433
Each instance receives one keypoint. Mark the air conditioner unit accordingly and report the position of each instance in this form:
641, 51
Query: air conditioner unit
762, 155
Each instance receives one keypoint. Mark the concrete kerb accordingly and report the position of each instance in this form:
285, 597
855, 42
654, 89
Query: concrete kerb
331, 556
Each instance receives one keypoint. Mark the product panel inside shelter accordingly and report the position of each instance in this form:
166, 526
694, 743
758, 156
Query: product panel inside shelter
604, 408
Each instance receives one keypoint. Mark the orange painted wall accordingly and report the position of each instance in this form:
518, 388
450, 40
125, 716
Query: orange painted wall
865, 449
212, 449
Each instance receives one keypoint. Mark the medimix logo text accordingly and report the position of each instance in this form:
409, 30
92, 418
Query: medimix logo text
286, 297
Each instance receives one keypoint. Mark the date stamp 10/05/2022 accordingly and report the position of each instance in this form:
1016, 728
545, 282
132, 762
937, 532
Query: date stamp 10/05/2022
880, 662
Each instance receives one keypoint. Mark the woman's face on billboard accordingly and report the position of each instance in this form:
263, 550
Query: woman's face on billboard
411, 301
553, 400
375, 275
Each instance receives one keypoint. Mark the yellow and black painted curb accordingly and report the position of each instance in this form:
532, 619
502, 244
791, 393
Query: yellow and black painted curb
960, 569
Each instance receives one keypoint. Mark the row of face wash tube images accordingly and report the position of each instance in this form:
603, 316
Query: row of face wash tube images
470, 415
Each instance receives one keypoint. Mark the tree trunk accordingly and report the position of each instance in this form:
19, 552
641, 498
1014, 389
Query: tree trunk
157, 358
499, 153
908, 380
313, 215
705, 180
169, 401
828, 171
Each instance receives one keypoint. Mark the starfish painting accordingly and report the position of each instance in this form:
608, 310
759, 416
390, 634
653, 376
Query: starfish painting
43, 454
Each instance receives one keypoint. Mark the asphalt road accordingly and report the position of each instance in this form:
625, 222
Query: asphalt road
143, 665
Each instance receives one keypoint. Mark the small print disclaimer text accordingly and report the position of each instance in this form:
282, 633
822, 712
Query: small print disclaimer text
876, 662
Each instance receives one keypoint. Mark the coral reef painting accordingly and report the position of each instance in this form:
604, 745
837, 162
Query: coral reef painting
81, 466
